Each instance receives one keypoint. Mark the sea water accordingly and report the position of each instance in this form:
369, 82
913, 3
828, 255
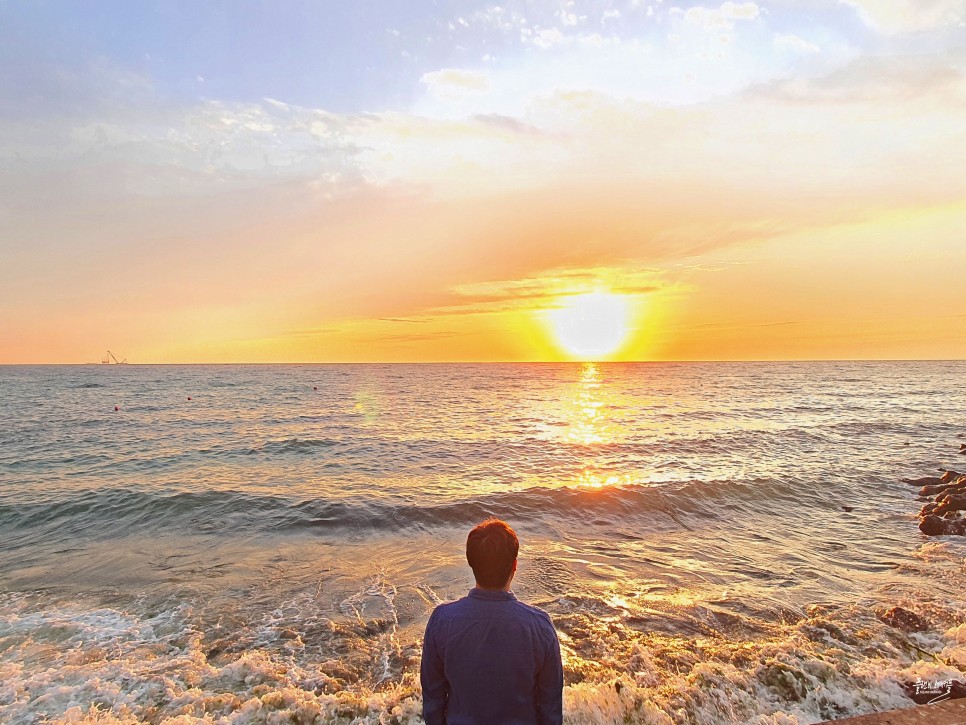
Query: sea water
715, 542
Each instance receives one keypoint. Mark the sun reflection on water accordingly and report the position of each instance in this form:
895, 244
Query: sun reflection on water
589, 478
588, 424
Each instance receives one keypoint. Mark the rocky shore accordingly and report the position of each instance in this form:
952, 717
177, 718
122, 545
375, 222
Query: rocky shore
944, 500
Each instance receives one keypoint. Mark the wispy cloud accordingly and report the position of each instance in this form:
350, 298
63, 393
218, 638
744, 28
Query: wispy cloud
722, 17
900, 16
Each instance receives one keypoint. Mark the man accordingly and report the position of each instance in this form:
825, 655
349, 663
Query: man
489, 658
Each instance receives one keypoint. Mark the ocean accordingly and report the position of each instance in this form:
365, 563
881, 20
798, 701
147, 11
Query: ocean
715, 542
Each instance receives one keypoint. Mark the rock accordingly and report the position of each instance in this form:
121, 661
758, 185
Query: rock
928, 509
949, 502
955, 487
932, 525
925, 481
903, 619
848, 508
955, 527
949, 476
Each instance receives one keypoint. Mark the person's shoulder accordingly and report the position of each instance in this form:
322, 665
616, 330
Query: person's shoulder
447, 609
534, 612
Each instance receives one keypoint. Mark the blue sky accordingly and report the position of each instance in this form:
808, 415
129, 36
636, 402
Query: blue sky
349, 57
334, 55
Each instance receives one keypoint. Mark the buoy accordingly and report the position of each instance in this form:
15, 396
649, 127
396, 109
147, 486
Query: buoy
315, 387
116, 408
189, 397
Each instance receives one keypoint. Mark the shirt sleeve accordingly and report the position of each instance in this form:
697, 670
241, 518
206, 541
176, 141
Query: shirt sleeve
432, 678
549, 690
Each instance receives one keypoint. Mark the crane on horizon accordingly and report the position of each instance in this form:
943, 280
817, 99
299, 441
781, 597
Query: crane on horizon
110, 355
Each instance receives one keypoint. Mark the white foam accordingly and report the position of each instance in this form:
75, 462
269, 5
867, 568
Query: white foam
68, 663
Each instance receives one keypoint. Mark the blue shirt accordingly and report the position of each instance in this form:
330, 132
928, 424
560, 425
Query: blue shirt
489, 658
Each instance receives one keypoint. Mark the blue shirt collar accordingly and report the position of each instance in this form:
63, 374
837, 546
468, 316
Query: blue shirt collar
490, 595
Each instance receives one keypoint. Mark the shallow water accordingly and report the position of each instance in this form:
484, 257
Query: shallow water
274, 545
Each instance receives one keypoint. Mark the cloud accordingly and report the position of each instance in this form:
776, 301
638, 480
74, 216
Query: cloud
926, 81
451, 83
722, 17
203, 148
740, 11
794, 43
544, 291
507, 123
404, 338
547, 38
903, 16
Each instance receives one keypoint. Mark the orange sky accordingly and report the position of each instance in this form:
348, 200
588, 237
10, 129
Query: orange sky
805, 199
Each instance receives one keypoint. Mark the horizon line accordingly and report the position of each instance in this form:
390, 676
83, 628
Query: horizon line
488, 362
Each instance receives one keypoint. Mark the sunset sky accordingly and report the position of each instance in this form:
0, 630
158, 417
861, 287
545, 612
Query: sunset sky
419, 181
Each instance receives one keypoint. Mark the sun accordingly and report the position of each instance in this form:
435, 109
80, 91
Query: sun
591, 325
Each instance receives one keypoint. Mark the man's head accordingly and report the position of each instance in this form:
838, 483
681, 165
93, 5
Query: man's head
491, 550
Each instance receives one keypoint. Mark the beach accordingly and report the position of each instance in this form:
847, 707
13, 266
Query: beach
715, 542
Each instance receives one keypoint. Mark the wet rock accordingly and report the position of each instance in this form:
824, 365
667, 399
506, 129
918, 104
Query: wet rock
933, 525
928, 509
954, 487
848, 508
901, 618
952, 502
288, 634
950, 476
924, 481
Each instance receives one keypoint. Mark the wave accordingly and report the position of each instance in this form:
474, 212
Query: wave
372, 454
107, 512
294, 445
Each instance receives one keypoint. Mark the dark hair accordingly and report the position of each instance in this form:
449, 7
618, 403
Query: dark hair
491, 549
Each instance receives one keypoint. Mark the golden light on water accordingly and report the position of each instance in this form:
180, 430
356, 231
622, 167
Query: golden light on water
593, 325
590, 425
595, 479
587, 425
